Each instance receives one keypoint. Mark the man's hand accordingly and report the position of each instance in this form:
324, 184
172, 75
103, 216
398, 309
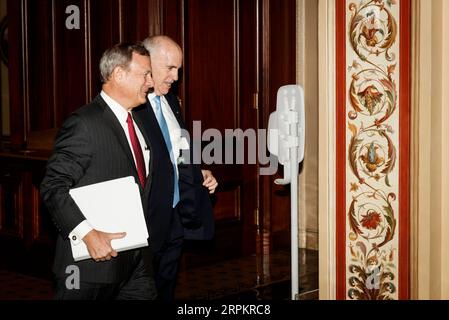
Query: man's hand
209, 181
99, 244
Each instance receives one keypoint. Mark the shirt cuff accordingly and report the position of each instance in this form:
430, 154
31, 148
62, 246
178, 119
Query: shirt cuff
79, 232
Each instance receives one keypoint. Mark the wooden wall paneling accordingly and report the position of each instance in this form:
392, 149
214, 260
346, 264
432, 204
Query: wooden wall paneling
212, 82
71, 61
12, 233
248, 108
220, 79
172, 20
42, 232
140, 18
212, 85
281, 61
266, 182
283, 46
11, 204
2, 107
16, 72
27, 234
212, 95
104, 30
39, 82
230, 205
168, 18
42, 229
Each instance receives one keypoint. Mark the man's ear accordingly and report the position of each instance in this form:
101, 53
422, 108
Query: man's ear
118, 74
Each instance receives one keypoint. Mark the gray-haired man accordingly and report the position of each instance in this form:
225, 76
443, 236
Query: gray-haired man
179, 205
98, 142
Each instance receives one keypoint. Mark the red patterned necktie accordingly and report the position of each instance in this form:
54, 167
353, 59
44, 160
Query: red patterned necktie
140, 164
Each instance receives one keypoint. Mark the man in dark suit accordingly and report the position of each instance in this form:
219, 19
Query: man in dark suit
179, 205
102, 141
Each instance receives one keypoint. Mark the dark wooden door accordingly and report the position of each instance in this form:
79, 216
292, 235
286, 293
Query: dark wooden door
221, 80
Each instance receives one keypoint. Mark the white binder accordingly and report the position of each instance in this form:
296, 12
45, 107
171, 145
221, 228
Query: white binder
112, 206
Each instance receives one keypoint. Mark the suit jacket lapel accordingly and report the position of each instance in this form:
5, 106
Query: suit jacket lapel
113, 122
174, 105
139, 123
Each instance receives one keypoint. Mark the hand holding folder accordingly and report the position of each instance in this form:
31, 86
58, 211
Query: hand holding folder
112, 206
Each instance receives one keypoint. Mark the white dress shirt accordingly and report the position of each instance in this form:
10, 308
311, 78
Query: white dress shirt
85, 227
172, 123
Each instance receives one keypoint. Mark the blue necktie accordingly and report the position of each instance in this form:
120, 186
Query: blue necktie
164, 128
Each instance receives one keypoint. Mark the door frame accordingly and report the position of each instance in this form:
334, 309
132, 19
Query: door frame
327, 151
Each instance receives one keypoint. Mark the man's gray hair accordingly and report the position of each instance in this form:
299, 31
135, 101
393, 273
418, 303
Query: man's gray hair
154, 43
119, 55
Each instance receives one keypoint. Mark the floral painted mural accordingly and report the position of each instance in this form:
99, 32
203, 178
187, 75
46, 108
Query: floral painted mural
372, 143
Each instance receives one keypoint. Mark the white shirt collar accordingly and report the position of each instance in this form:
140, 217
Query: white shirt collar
151, 96
117, 109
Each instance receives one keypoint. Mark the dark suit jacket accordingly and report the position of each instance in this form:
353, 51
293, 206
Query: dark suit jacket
195, 207
90, 147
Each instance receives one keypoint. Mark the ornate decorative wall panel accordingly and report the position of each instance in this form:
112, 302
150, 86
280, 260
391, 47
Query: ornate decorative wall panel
373, 149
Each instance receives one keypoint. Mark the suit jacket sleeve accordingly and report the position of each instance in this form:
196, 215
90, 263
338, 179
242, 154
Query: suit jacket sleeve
69, 162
